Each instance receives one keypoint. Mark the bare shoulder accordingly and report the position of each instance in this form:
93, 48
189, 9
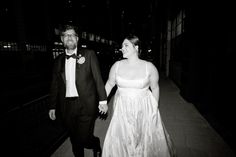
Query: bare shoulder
152, 70
113, 67
119, 63
122, 61
150, 65
116, 63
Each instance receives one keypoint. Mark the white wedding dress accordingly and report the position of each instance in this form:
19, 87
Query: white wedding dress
136, 128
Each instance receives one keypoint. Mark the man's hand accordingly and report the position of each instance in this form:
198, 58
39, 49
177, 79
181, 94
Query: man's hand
52, 114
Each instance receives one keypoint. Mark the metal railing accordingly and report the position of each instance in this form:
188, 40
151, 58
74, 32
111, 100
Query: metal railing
28, 130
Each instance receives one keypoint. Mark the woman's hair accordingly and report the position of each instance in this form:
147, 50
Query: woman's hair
135, 41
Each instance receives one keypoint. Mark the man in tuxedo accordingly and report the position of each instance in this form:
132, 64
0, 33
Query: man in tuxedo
76, 91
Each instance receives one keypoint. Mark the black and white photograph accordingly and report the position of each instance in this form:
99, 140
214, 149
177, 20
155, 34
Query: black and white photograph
117, 78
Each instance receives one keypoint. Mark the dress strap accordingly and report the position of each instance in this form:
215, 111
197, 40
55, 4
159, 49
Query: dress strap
146, 69
117, 66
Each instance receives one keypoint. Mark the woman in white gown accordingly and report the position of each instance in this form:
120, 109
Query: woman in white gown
136, 128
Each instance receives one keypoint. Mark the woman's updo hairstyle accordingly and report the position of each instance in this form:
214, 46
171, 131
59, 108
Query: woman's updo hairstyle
135, 41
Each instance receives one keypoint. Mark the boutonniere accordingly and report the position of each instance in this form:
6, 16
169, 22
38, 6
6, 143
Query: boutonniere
80, 59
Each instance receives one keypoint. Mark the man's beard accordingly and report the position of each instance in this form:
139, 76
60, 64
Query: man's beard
70, 46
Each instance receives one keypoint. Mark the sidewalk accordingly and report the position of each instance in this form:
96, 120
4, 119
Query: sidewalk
191, 133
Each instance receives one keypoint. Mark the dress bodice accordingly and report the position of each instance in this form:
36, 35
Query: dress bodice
142, 83
134, 83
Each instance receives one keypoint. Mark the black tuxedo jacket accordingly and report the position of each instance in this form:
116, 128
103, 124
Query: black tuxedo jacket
89, 83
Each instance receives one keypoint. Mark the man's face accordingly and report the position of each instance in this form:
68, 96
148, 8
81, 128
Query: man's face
70, 39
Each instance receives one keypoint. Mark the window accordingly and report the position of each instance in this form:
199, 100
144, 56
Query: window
177, 25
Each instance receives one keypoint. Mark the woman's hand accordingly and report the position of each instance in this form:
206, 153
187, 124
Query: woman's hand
103, 108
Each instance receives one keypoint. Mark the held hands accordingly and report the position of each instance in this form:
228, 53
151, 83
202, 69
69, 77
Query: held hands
103, 108
52, 114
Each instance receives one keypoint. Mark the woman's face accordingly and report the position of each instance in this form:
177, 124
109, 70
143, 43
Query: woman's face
70, 39
128, 49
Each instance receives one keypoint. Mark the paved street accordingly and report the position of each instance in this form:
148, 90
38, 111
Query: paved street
191, 133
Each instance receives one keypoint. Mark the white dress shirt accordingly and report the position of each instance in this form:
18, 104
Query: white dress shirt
70, 65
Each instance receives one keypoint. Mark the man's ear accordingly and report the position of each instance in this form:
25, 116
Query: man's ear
62, 39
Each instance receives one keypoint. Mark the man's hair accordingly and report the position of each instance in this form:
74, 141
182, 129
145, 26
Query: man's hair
66, 27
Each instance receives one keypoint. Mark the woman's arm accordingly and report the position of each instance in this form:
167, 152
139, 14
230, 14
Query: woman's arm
111, 79
103, 108
154, 79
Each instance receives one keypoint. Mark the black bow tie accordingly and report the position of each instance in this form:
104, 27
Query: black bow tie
73, 56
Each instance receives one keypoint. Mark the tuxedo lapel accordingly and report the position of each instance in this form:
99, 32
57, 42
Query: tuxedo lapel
80, 53
78, 66
63, 74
